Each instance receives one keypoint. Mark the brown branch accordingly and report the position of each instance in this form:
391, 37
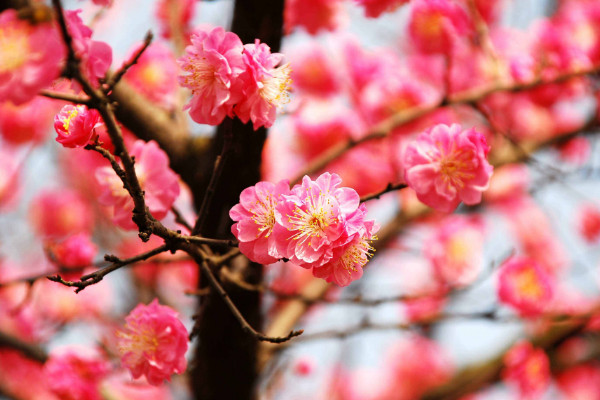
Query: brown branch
389, 188
180, 219
29, 350
117, 263
116, 77
66, 97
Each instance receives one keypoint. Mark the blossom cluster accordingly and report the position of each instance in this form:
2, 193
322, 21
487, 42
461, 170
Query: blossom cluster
316, 224
228, 78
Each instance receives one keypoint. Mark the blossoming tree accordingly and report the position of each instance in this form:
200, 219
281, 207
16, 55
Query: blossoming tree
403, 187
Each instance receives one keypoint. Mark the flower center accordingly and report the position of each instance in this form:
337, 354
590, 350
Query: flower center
67, 121
14, 48
456, 168
275, 88
202, 75
264, 215
528, 284
313, 221
357, 255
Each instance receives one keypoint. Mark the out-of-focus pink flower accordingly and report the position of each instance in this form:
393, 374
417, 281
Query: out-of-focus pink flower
255, 220
157, 180
155, 75
76, 251
121, 387
581, 382
314, 71
589, 222
313, 15
311, 221
374, 8
95, 56
9, 179
265, 86
446, 165
75, 125
76, 373
153, 343
60, 213
177, 13
434, 25
16, 369
31, 57
103, 3
509, 182
212, 64
528, 369
576, 151
456, 250
17, 126
525, 286
424, 308
304, 366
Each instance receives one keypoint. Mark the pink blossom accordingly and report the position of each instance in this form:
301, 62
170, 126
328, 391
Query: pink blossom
575, 151
509, 182
76, 373
155, 75
311, 221
10, 171
75, 125
589, 222
255, 217
304, 366
374, 8
177, 13
31, 57
212, 64
76, 251
95, 56
265, 86
525, 286
424, 308
313, 15
17, 125
528, 369
158, 181
446, 165
314, 71
23, 377
59, 213
581, 382
153, 343
434, 25
456, 250
121, 387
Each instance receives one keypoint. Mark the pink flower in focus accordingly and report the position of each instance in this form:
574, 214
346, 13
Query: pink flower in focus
153, 343
589, 222
76, 251
95, 56
76, 373
313, 15
434, 25
528, 369
59, 213
158, 181
212, 64
17, 125
31, 57
581, 382
446, 165
255, 220
311, 221
525, 286
75, 125
456, 250
265, 86
155, 75
374, 8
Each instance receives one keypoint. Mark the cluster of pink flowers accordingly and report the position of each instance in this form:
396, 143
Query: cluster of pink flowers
316, 224
158, 181
227, 78
446, 165
528, 369
153, 343
75, 125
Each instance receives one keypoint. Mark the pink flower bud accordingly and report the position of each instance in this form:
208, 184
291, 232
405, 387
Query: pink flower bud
75, 125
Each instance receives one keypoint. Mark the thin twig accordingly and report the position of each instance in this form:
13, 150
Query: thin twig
114, 79
97, 276
389, 188
180, 219
29, 350
72, 98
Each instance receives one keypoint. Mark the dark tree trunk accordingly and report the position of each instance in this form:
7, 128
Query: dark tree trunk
224, 365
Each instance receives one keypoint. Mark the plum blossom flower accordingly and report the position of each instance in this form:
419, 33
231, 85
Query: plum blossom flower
589, 222
525, 286
76, 251
157, 180
60, 213
580, 382
313, 15
153, 343
211, 65
255, 216
446, 165
76, 373
17, 125
528, 369
174, 11
75, 125
31, 57
374, 8
265, 86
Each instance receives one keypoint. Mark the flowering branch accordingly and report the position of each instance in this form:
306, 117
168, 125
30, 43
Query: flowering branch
114, 79
117, 263
66, 97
